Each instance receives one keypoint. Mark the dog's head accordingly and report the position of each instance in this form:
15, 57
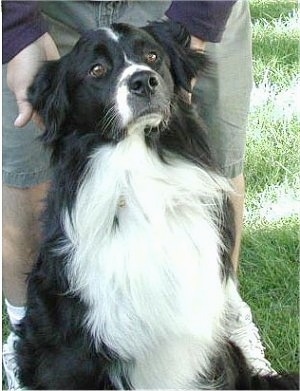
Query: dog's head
115, 81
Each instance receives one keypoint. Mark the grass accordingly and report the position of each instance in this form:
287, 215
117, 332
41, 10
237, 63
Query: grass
269, 278
269, 271
276, 37
269, 268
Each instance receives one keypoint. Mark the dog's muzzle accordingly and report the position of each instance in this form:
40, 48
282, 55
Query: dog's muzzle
143, 97
148, 96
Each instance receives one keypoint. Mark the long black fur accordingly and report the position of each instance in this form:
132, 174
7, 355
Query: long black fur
55, 350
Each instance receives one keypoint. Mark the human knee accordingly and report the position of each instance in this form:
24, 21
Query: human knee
238, 184
23, 205
21, 228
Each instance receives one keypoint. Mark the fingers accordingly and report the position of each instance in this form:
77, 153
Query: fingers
52, 52
38, 120
25, 111
22, 69
185, 96
197, 44
26, 114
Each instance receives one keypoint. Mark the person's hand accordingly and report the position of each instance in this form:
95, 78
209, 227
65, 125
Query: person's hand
21, 70
199, 46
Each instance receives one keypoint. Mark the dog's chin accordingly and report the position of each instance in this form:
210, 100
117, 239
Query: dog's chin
147, 122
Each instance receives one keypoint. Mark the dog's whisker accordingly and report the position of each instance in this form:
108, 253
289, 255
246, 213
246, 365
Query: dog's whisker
110, 114
110, 122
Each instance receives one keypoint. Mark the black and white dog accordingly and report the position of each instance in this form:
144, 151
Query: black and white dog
133, 284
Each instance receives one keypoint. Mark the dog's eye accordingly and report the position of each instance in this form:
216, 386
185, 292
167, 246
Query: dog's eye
151, 57
98, 70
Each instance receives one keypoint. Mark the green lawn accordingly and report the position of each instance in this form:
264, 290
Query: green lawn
269, 274
269, 270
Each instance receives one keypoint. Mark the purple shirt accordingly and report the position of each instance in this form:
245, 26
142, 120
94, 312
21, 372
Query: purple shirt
22, 25
203, 19
23, 22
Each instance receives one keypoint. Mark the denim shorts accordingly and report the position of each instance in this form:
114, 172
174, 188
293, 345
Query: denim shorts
222, 96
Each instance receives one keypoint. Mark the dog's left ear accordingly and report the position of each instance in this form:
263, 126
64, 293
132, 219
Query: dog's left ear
48, 96
185, 62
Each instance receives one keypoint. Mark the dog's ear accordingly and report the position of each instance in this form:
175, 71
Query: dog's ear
185, 62
48, 96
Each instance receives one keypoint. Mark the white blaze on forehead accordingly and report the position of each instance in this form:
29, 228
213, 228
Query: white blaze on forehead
112, 34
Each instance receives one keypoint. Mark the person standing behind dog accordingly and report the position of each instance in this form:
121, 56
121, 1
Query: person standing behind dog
34, 32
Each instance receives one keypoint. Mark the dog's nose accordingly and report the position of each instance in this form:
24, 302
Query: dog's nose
143, 83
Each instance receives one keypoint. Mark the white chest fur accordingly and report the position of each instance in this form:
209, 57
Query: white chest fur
144, 257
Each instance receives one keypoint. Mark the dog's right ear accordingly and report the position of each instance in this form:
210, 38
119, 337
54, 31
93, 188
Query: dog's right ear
186, 63
49, 98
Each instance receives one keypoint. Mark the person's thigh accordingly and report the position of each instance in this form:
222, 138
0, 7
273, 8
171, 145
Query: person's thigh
223, 94
25, 162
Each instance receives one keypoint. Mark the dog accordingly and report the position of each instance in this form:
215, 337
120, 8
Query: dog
133, 283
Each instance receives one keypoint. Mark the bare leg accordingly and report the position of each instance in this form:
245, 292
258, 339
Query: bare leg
21, 235
238, 205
